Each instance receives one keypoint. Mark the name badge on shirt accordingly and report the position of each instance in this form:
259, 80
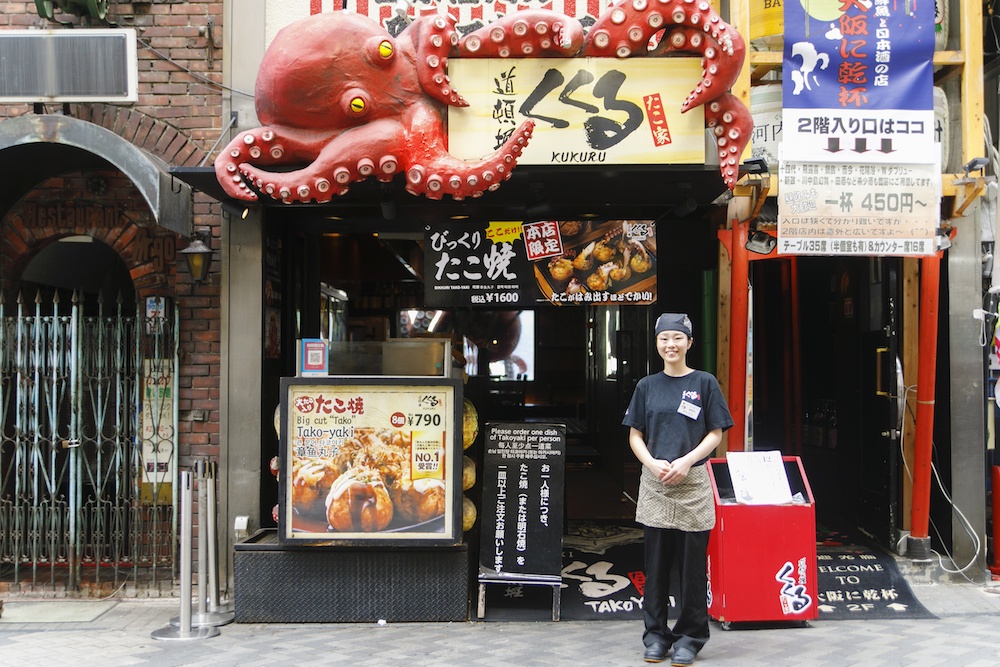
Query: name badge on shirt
689, 409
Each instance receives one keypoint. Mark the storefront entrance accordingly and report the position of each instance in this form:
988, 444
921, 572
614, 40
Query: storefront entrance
828, 384
578, 364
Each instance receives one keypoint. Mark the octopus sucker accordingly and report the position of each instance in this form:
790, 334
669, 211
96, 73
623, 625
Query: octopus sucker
342, 175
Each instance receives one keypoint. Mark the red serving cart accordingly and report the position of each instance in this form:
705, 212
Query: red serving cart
762, 558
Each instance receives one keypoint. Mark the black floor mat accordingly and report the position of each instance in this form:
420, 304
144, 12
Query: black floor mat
857, 582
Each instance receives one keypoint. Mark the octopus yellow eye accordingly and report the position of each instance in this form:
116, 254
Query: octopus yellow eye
385, 48
357, 105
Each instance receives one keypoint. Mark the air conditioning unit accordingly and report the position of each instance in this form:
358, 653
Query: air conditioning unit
68, 65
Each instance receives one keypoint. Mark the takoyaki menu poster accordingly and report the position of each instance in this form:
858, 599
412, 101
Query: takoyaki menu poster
523, 489
370, 461
567, 262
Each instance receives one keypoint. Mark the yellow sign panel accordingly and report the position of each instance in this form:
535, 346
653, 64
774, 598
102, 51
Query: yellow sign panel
586, 110
504, 232
767, 18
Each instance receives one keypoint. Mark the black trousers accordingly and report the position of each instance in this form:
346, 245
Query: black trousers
665, 547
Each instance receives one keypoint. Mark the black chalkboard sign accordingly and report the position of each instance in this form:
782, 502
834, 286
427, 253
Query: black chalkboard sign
523, 484
470, 265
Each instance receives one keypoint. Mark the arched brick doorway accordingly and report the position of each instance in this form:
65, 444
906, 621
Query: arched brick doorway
88, 375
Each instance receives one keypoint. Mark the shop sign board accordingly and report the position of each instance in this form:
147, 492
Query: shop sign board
858, 81
858, 209
586, 110
517, 264
859, 170
523, 489
370, 460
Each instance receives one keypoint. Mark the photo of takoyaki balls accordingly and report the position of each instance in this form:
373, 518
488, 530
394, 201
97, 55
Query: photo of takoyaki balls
385, 451
571, 228
388, 452
419, 500
312, 480
359, 502
560, 269
603, 259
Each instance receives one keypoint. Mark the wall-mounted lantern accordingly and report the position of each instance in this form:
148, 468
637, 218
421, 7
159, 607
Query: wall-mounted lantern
198, 256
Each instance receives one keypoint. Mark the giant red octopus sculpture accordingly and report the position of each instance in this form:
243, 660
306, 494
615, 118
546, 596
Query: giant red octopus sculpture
340, 95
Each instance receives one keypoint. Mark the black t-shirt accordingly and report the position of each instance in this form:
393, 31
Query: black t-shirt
676, 413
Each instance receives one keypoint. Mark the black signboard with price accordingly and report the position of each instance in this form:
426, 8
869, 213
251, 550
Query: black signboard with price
523, 485
476, 265
522, 264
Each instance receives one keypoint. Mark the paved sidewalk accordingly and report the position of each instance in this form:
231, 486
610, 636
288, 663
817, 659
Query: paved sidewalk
965, 634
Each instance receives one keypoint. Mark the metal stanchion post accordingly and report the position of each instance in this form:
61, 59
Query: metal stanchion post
183, 630
206, 551
216, 607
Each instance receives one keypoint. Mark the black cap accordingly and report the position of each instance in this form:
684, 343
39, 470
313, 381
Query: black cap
673, 322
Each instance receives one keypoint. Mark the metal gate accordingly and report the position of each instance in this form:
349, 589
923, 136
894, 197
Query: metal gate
88, 442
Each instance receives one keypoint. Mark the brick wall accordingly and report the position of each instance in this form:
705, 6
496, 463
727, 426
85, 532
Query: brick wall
178, 118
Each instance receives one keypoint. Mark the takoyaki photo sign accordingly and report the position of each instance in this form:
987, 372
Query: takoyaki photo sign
516, 264
370, 460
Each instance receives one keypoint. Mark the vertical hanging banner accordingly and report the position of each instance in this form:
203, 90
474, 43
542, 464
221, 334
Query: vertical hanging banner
858, 80
858, 167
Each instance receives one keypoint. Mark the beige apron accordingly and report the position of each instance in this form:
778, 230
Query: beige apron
687, 506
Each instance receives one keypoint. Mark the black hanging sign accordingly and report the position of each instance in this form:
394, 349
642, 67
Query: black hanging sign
524, 480
473, 265
523, 264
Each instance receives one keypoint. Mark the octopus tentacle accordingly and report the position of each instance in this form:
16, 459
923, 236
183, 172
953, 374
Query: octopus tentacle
688, 25
526, 33
433, 172
719, 77
731, 123
625, 29
302, 185
432, 38
354, 155
262, 146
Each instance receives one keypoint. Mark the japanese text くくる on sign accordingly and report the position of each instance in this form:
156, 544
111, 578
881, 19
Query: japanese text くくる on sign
586, 110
